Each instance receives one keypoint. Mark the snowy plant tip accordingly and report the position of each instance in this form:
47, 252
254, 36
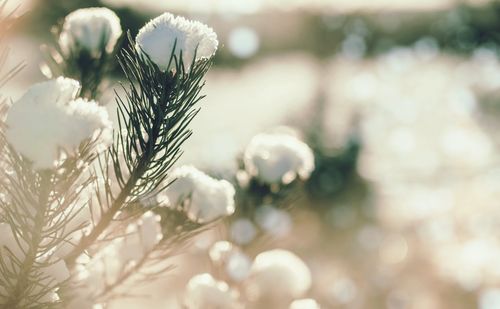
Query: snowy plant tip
278, 158
202, 197
192, 39
203, 291
90, 29
278, 273
49, 117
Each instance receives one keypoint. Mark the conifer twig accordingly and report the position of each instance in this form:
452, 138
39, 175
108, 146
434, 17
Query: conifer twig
153, 121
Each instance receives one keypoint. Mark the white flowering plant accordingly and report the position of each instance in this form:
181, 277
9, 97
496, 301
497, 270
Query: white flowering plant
273, 165
88, 209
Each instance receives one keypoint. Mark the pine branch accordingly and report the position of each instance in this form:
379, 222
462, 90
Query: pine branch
18, 294
38, 207
153, 119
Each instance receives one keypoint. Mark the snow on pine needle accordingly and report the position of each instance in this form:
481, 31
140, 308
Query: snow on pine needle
86, 49
202, 197
49, 118
190, 41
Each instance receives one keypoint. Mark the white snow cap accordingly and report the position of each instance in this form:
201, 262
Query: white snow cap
90, 29
204, 292
306, 303
206, 198
278, 158
159, 36
278, 273
49, 117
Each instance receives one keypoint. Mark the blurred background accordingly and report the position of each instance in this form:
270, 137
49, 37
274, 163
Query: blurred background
400, 102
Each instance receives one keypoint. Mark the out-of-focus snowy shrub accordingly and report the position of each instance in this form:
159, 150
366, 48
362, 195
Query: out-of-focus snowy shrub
278, 158
278, 274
